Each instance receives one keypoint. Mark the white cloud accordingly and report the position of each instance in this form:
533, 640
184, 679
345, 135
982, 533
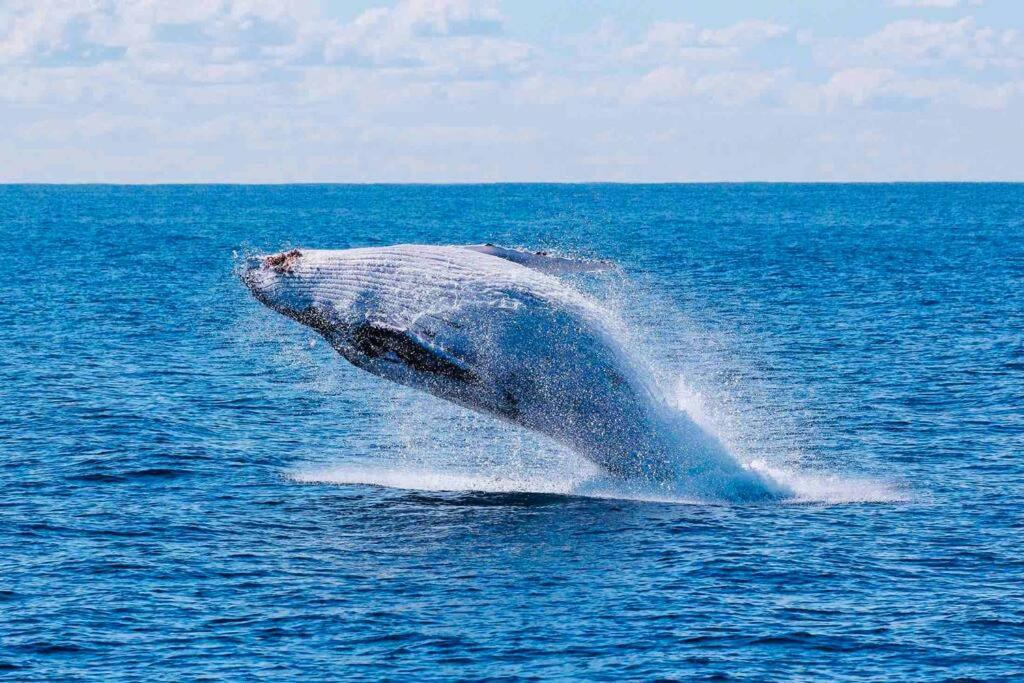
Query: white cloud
743, 34
960, 92
443, 90
81, 32
857, 85
862, 86
737, 88
919, 43
684, 41
666, 83
674, 84
406, 36
933, 3
454, 38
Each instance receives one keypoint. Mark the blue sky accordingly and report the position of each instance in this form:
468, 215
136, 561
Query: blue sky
463, 91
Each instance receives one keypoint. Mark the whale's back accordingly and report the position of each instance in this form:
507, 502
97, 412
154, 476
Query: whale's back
406, 280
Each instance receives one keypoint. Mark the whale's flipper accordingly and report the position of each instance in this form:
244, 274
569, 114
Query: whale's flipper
542, 261
376, 340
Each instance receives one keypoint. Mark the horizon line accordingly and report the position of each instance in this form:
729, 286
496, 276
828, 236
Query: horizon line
473, 183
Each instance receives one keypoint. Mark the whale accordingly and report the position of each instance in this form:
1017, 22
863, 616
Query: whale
504, 332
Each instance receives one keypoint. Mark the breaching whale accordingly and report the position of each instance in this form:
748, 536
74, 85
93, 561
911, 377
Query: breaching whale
497, 331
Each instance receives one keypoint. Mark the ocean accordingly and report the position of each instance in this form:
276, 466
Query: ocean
195, 488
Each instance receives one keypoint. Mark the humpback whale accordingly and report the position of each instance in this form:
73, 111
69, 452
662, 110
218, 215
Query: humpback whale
500, 332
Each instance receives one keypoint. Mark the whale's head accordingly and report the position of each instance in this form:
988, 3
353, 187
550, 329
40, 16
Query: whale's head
286, 282
380, 321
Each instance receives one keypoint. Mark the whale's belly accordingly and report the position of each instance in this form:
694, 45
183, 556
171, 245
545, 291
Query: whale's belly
553, 371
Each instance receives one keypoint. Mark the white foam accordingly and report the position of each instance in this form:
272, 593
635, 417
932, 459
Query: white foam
810, 486
829, 489
447, 481
429, 480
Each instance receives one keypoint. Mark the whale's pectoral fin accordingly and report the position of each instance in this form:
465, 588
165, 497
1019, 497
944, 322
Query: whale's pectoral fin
377, 340
543, 261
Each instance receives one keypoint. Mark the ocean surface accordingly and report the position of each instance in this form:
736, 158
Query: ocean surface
193, 487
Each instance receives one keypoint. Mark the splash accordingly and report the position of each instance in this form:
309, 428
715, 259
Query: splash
438, 447
809, 488
596, 485
837, 489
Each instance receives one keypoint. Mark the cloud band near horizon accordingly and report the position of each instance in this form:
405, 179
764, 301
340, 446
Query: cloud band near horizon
461, 91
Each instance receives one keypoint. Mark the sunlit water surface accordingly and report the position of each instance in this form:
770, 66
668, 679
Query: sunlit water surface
193, 486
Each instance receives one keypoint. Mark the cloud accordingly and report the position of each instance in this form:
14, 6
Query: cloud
664, 84
446, 89
743, 34
683, 41
737, 88
933, 3
54, 34
919, 43
453, 37
857, 85
82, 32
863, 86
242, 39
731, 88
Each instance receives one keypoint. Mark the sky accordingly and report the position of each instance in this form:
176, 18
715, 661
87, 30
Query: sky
436, 91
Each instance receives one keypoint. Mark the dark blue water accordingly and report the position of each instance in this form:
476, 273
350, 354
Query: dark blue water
190, 486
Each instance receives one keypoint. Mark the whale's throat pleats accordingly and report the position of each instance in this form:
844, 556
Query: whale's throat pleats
378, 340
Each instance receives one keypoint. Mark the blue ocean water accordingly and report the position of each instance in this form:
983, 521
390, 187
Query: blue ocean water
193, 487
